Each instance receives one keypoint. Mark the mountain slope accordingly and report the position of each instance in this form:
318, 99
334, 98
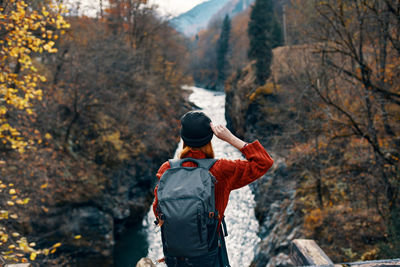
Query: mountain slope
197, 18
233, 7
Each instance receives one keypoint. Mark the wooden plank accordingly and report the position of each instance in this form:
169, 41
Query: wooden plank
305, 252
387, 263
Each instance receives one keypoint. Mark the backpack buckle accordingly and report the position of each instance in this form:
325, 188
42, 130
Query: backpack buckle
211, 215
159, 220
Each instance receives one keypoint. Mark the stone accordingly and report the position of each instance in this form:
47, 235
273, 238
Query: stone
145, 262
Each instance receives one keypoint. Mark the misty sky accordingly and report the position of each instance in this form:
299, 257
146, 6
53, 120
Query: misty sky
166, 7
175, 7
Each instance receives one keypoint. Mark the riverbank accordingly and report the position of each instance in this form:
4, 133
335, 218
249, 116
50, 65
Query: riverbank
99, 186
310, 192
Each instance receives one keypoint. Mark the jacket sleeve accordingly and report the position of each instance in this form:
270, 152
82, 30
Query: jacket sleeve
238, 173
160, 172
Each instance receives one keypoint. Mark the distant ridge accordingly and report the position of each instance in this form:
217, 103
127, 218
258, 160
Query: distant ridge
232, 8
197, 18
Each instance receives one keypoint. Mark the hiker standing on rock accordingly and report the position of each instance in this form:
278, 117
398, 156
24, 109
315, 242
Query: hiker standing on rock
193, 192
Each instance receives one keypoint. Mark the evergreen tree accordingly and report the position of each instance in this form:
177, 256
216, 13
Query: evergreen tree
222, 50
264, 34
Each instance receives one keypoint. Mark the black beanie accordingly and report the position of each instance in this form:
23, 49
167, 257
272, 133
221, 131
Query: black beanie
196, 130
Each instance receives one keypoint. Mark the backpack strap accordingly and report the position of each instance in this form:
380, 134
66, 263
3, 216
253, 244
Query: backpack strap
206, 163
174, 163
222, 251
202, 163
225, 231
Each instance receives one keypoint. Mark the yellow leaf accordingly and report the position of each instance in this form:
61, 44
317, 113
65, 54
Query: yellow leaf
4, 237
48, 136
53, 250
10, 203
12, 192
3, 214
56, 245
14, 216
33, 256
78, 237
44, 185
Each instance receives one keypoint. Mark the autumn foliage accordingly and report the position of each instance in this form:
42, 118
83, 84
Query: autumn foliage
204, 57
331, 108
89, 108
86, 107
25, 33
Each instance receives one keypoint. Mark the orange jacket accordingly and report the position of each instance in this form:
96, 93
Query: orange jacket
230, 174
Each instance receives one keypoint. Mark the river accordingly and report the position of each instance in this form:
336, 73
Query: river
239, 215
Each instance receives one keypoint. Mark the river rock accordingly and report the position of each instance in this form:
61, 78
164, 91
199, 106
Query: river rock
96, 228
145, 262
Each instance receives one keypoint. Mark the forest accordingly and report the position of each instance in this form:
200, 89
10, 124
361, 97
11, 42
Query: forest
88, 105
82, 126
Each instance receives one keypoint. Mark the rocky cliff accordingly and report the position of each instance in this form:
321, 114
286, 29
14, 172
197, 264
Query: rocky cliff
89, 193
279, 221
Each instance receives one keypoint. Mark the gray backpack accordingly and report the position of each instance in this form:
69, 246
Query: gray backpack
186, 204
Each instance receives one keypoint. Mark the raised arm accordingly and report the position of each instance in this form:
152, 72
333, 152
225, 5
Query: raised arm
224, 134
238, 173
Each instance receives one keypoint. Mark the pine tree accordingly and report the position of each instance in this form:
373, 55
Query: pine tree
264, 34
222, 50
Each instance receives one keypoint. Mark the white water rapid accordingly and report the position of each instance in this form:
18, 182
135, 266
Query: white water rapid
240, 219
